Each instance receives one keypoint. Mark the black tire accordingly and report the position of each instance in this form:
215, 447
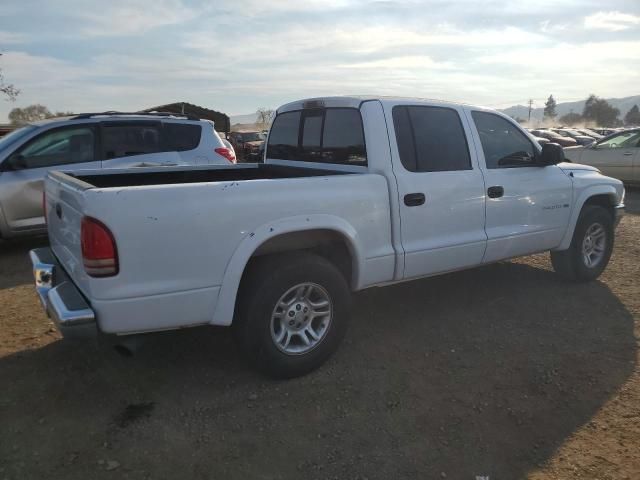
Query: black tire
266, 281
570, 264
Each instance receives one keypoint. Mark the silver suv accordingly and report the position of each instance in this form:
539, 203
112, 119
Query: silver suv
94, 140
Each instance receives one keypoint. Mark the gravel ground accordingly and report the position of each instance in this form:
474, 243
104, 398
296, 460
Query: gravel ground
504, 372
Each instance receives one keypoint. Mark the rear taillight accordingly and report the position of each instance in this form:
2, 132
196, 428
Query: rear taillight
226, 153
44, 205
99, 251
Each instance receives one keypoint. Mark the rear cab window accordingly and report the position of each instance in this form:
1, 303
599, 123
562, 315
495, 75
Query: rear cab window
327, 135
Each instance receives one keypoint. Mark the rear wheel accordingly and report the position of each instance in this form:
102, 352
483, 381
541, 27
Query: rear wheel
292, 313
591, 246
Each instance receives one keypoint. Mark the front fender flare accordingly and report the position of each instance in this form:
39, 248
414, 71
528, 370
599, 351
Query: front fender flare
225, 307
587, 193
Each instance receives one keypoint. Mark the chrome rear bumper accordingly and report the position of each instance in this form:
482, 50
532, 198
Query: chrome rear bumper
60, 298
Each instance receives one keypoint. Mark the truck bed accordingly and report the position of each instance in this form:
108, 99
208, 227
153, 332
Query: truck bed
181, 231
180, 175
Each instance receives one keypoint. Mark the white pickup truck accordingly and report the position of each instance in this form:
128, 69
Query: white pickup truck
354, 193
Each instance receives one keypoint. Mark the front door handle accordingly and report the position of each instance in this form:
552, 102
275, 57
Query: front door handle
495, 191
414, 199
627, 154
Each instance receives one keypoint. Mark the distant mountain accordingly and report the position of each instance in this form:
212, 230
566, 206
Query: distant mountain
248, 118
522, 111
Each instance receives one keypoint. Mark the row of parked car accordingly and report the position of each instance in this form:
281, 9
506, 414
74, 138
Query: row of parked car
565, 137
615, 152
616, 155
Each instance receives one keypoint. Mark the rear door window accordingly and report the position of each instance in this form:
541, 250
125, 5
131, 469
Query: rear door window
126, 140
332, 135
181, 137
430, 139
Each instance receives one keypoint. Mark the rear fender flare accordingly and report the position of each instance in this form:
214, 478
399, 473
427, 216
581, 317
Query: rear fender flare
225, 306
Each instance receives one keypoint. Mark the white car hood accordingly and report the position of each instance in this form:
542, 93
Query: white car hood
568, 167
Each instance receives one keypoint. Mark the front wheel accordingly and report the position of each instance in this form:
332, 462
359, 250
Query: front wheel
292, 313
591, 246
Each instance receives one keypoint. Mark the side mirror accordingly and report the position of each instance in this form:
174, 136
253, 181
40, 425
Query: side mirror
552, 154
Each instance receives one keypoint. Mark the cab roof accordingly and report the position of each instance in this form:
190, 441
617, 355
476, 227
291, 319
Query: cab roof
356, 100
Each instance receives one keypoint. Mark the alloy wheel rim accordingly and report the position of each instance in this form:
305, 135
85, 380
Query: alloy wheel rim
301, 318
594, 245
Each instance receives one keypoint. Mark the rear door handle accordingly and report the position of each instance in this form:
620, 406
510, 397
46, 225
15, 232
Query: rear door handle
495, 191
627, 154
414, 199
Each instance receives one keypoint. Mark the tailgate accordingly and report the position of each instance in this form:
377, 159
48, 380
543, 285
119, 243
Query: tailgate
64, 207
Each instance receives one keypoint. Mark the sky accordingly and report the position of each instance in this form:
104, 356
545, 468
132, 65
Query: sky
237, 55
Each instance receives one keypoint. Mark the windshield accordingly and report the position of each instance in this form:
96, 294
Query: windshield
252, 137
622, 140
17, 134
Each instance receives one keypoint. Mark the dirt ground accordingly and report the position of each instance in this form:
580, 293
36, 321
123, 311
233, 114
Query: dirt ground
503, 372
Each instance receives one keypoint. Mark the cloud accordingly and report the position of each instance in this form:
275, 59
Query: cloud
611, 21
253, 8
546, 26
11, 38
402, 62
133, 17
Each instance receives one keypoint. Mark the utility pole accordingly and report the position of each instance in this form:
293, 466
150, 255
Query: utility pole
530, 106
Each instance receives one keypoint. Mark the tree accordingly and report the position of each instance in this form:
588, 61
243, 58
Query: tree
571, 119
550, 108
8, 89
633, 116
264, 116
599, 111
32, 113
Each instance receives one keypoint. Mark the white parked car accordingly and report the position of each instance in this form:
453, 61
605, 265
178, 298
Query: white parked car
354, 193
89, 141
617, 155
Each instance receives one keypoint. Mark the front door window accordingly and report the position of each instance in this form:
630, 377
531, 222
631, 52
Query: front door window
58, 147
